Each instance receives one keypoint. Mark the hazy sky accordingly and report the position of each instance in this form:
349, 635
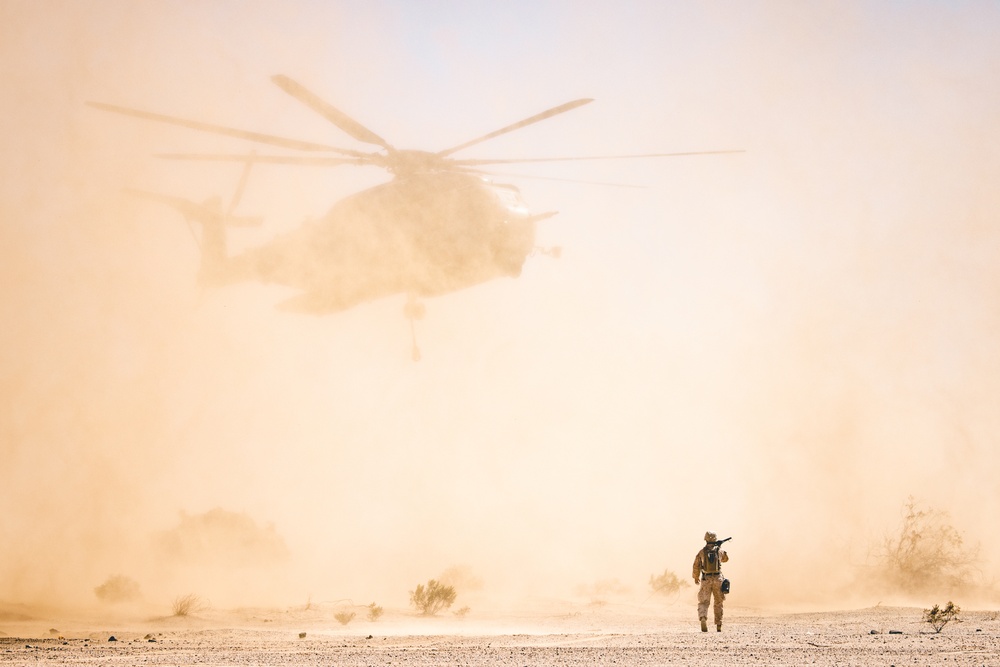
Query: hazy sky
781, 345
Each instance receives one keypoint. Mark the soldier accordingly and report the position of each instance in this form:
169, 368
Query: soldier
708, 575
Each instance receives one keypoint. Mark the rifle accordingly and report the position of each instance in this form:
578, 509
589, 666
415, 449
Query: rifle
719, 543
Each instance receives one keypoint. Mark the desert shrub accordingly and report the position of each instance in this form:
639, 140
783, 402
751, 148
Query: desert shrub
927, 554
938, 618
374, 612
118, 588
463, 612
344, 617
186, 605
432, 598
667, 583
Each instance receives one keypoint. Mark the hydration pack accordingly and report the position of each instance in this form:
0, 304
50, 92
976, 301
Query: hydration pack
711, 563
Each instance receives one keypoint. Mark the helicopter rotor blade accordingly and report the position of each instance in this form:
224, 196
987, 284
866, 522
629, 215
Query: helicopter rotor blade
473, 163
562, 108
332, 114
220, 129
559, 180
307, 160
244, 177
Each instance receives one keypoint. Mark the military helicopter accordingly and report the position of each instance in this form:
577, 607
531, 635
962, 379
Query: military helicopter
440, 225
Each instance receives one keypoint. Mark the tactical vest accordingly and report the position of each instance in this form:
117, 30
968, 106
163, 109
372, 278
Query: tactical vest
710, 562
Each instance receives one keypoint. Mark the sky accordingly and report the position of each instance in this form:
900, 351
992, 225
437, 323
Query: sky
782, 345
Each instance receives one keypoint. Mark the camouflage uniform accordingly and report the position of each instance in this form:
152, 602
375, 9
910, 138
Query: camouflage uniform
709, 578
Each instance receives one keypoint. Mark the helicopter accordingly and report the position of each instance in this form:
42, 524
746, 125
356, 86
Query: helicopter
441, 224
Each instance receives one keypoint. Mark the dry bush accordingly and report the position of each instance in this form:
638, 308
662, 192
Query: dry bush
667, 583
928, 554
433, 598
118, 588
374, 612
187, 605
938, 618
344, 617
463, 612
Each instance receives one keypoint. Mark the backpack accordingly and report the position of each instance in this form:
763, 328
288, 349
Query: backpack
711, 562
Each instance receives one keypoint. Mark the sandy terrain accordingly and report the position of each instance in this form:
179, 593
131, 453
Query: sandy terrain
610, 634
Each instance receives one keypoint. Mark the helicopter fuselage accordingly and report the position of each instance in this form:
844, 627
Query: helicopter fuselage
437, 227
422, 234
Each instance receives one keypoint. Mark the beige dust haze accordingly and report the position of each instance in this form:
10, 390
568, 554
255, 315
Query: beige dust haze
782, 346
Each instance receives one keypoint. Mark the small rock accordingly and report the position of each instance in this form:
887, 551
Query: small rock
53, 631
302, 635
112, 638
895, 632
152, 639
873, 632
370, 637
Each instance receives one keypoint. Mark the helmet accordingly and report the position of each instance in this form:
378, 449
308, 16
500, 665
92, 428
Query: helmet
711, 537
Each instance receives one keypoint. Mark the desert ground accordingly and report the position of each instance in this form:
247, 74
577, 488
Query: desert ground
551, 634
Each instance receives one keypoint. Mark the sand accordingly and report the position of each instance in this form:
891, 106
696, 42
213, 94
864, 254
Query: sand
564, 634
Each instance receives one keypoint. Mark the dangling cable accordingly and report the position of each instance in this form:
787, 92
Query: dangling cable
414, 310
413, 337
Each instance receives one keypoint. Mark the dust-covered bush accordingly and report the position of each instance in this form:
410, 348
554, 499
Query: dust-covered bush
432, 598
118, 588
667, 583
186, 605
938, 618
927, 554
344, 617
374, 612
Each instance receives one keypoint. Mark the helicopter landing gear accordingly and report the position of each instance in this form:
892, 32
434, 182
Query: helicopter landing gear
413, 311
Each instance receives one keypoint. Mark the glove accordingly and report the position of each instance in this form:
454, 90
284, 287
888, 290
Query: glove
696, 582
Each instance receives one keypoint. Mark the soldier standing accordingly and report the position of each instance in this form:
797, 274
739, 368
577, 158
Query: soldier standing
708, 575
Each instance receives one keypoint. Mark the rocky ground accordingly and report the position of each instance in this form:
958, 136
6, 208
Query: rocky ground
564, 635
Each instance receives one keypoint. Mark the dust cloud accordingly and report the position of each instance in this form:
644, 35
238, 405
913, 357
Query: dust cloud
782, 346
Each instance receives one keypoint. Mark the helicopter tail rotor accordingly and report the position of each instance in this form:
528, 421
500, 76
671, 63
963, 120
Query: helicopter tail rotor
244, 177
212, 219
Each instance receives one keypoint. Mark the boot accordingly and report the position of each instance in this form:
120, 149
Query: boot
704, 625
718, 627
